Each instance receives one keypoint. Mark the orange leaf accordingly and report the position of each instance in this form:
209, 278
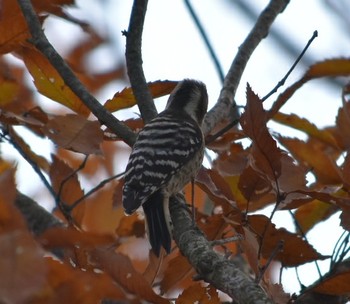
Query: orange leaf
76, 133
69, 237
9, 90
304, 125
119, 267
131, 226
69, 285
177, 271
13, 27
295, 250
126, 99
343, 125
310, 214
335, 285
329, 68
49, 82
66, 184
22, 267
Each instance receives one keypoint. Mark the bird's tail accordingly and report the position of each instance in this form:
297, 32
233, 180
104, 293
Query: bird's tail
158, 222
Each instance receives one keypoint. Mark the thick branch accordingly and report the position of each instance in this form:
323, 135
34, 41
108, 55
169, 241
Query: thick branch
134, 61
233, 77
210, 266
43, 45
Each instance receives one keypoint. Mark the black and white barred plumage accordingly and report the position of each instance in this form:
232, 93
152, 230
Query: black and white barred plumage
166, 156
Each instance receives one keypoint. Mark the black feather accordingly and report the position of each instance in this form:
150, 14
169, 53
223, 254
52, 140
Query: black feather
158, 231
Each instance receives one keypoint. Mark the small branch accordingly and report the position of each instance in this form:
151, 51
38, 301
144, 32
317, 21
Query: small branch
211, 267
283, 80
93, 190
233, 77
134, 61
206, 40
43, 45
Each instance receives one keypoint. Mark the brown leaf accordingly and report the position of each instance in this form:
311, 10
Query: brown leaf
131, 226
76, 133
119, 267
266, 157
66, 184
335, 285
276, 293
256, 190
232, 160
319, 159
49, 82
197, 293
216, 188
126, 99
296, 251
250, 247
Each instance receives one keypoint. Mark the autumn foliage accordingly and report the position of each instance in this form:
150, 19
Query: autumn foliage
95, 253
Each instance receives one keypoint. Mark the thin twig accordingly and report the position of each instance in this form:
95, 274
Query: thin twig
205, 38
43, 45
93, 190
32, 163
274, 252
283, 80
69, 176
233, 77
133, 57
221, 132
296, 223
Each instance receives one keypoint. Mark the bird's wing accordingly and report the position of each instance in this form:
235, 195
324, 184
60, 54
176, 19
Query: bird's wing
162, 148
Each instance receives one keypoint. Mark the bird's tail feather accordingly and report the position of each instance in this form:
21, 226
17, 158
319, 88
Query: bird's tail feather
157, 223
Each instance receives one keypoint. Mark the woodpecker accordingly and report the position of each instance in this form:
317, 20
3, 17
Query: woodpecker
167, 154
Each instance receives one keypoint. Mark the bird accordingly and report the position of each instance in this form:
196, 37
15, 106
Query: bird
167, 154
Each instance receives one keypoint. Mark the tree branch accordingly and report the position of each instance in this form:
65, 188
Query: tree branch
233, 77
43, 45
211, 267
133, 57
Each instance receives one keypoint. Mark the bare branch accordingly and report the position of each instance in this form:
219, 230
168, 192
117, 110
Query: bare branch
43, 45
210, 266
206, 40
134, 61
233, 77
